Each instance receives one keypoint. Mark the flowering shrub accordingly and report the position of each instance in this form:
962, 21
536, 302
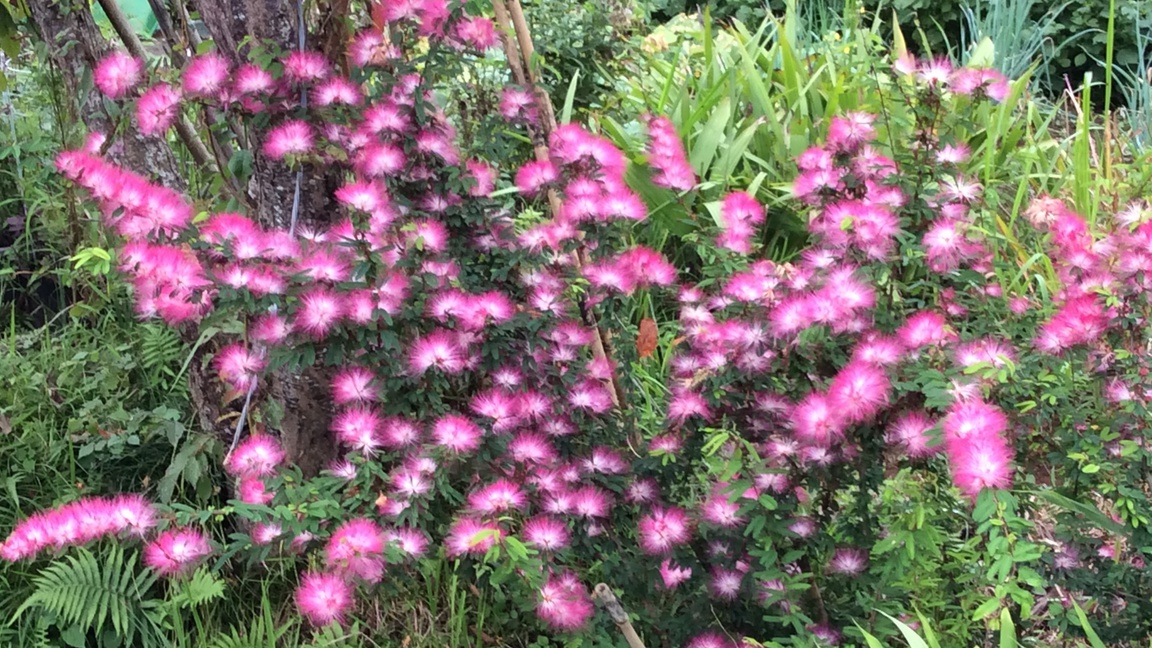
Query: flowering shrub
817, 439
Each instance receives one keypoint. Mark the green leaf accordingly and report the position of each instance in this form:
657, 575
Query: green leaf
986, 609
1007, 630
872, 641
913, 639
705, 147
1093, 638
566, 111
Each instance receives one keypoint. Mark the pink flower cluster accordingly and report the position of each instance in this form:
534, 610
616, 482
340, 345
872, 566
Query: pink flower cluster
667, 157
78, 523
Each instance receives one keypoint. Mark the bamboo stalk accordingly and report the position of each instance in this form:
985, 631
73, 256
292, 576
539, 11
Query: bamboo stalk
512, 23
603, 596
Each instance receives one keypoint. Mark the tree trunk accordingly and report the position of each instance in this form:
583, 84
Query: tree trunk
304, 397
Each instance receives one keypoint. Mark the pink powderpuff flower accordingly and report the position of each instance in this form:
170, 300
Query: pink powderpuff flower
133, 514
605, 461
252, 490
353, 385
357, 548
546, 533
533, 176
851, 131
952, 154
117, 73
725, 584
439, 350
380, 160
662, 529
980, 462
970, 419
412, 542
323, 598
251, 79
305, 67
850, 562
238, 366
269, 329
205, 75
518, 104
647, 266
667, 156
370, 48
564, 603
318, 313
591, 502
476, 32
337, 91
471, 536
457, 433
859, 391
817, 421
912, 431
157, 108
531, 448
924, 329
484, 176
720, 511
359, 428
501, 495
590, 396
293, 137
176, 551
672, 575
257, 456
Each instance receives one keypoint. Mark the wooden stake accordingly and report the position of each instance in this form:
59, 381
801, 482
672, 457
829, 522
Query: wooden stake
510, 19
603, 596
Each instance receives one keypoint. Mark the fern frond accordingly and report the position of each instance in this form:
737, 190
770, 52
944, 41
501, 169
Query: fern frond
90, 592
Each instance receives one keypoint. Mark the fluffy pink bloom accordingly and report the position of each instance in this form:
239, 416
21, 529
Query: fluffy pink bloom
912, 431
662, 529
980, 462
301, 67
1080, 320
591, 502
740, 213
457, 433
293, 137
476, 32
974, 418
725, 584
851, 562
337, 91
564, 603
379, 160
257, 456
78, 523
720, 510
850, 131
238, 365
533, 176
252, 79
518, 104
269, 329
319, 311
176, 551
117, 73
353, 385
711, 639
252, 490
923, 329
205, 75
859, 391
501, 495
672, 575
412, 542
157, 109
359, 428
323, 598
817, 421
471, 536
357, 548
546, 533
438, 350
667, 157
